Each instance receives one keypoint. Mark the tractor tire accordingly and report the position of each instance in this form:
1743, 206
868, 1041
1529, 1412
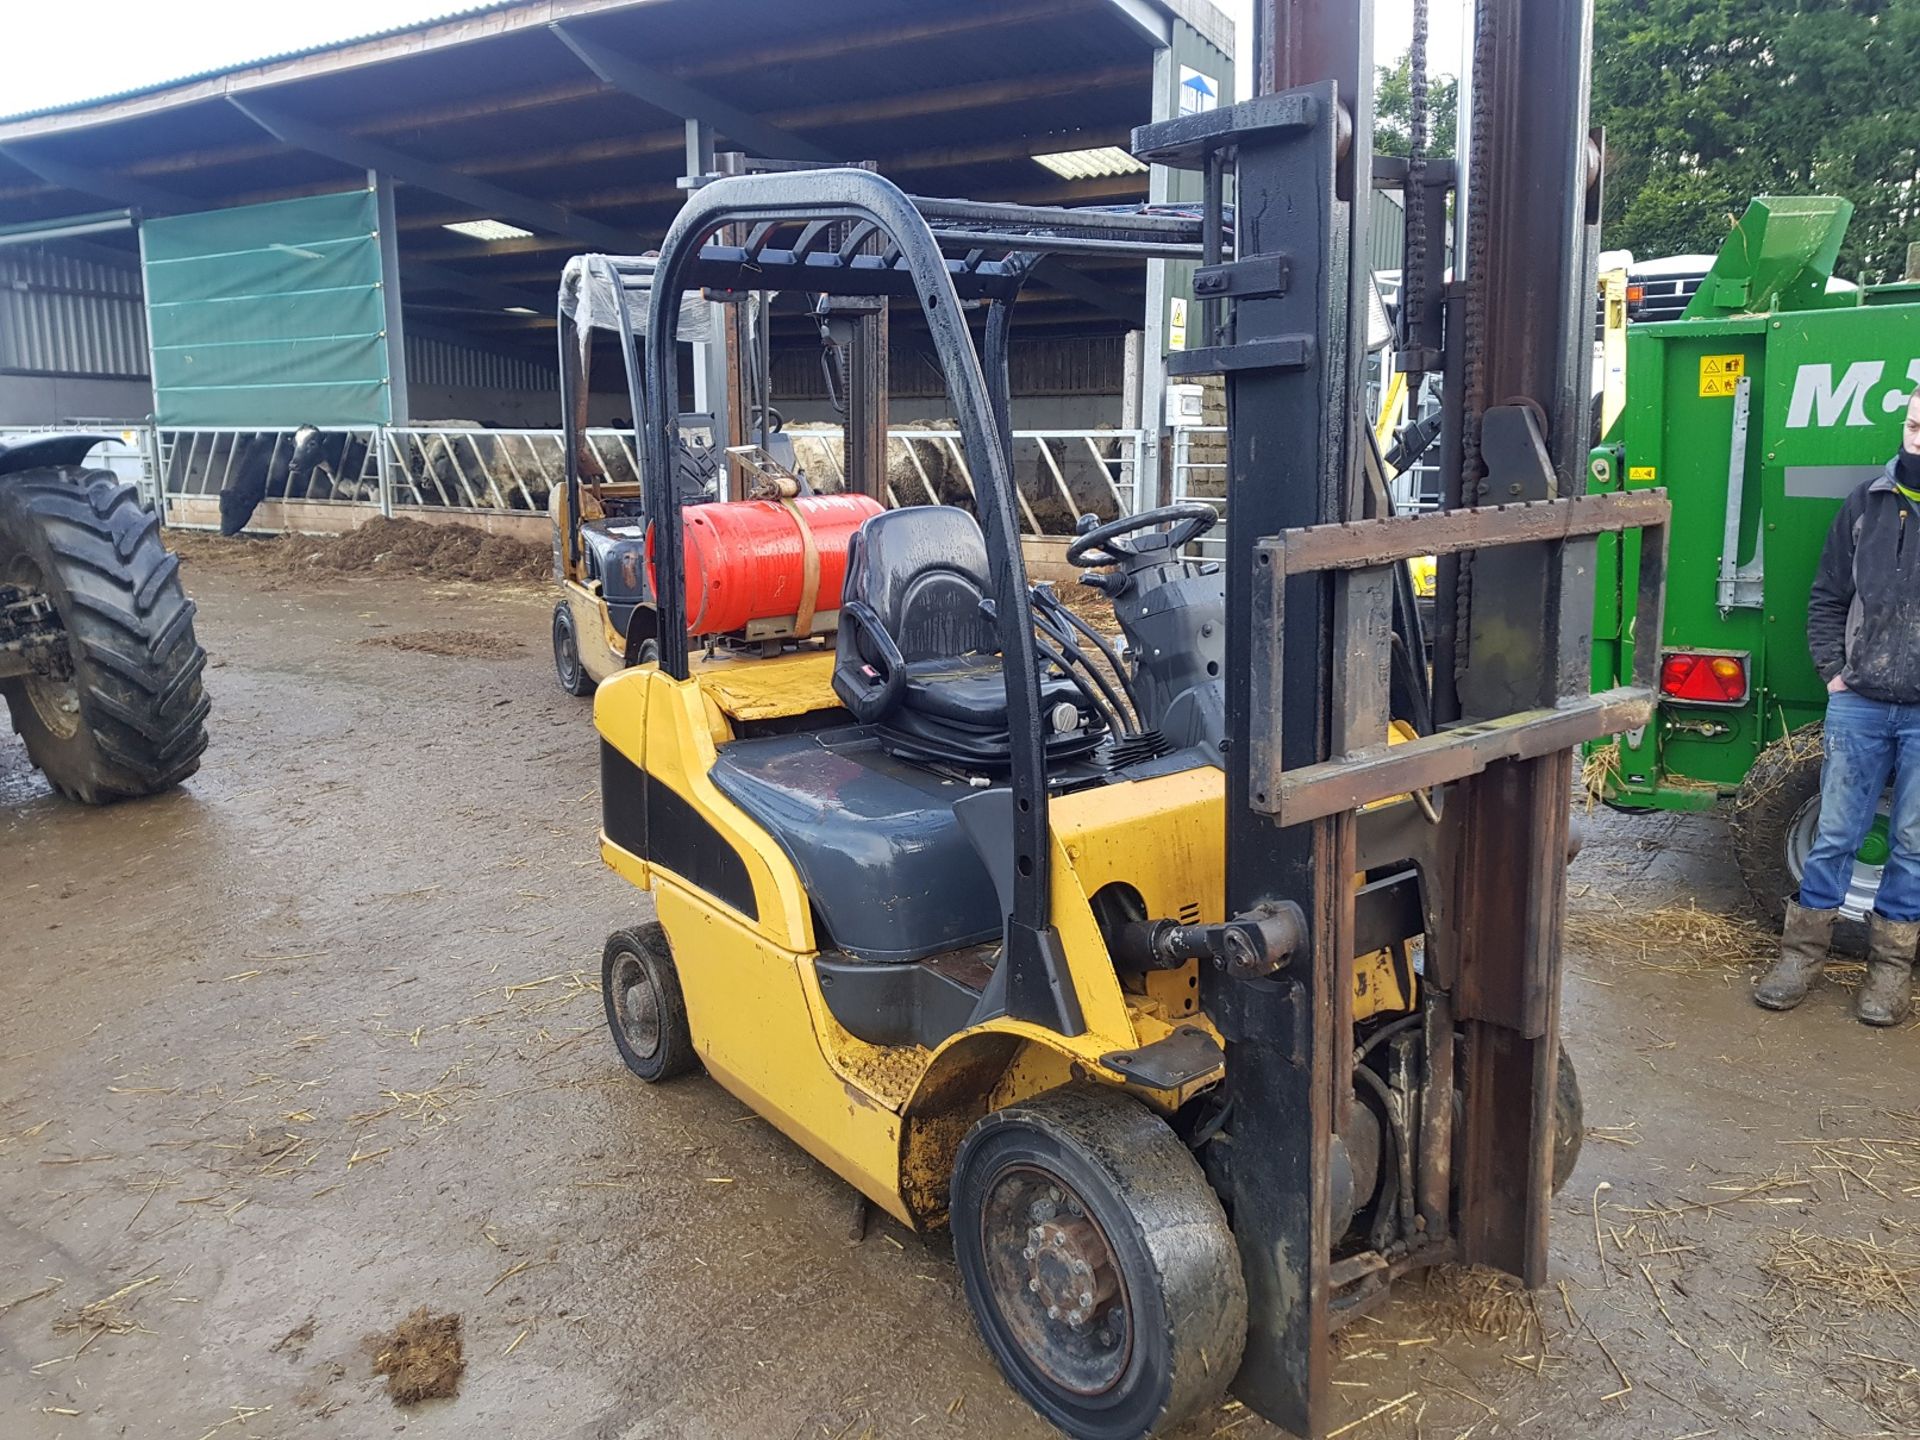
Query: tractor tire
131, 721
1775, 812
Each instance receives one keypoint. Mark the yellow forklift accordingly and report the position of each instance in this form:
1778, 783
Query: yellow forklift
769, 553
1204, 987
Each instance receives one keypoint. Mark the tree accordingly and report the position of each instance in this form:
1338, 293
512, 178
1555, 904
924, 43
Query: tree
1393, 109
1708, 103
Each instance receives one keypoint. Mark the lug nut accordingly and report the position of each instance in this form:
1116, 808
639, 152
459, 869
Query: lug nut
1034, 1285
1053, 1312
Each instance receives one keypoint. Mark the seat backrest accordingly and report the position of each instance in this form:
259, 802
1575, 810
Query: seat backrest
922, 571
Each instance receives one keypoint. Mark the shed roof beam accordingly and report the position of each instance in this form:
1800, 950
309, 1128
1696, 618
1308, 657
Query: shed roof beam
492, 293
1148, 18
978, 96
984, 152
489, 199
1075, 192
687, 102
1055, 275
117, 188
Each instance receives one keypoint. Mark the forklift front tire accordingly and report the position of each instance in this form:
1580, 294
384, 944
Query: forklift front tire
567, 668
645, 1010
1098, 1263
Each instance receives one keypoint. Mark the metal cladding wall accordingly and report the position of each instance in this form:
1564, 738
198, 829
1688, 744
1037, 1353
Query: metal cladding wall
66, 316
1082, 365
269, 314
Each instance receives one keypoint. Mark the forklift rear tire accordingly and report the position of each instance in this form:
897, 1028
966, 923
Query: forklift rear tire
645, 1010
1098, 1263
572, 674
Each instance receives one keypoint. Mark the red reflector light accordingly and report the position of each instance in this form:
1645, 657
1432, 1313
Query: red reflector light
1704, 679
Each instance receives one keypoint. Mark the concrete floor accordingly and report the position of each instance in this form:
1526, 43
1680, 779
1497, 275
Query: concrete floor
317, 1040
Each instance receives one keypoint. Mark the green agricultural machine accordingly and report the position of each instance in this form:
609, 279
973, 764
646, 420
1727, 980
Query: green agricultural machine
1759, 410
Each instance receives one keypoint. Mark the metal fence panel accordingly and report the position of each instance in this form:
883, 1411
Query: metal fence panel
1062, 474
195, 463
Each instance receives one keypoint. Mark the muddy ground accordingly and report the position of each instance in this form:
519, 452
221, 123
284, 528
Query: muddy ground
316, 1042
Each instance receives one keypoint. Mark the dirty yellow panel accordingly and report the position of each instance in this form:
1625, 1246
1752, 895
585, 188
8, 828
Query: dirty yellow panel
1166, 837
748, 688
1383, 984
679, 754
754, 1031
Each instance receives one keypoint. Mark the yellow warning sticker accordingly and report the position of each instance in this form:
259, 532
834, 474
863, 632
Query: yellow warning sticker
1643, 472
1720, 374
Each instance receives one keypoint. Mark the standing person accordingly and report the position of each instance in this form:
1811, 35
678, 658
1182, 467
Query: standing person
1863, 627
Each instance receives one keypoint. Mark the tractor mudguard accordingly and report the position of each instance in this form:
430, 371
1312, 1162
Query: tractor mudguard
46, 452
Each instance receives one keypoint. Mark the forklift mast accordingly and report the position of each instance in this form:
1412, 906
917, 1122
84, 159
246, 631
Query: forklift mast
1313, 625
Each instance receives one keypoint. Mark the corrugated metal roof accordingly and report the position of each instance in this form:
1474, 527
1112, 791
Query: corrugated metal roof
1205, 15
278, 57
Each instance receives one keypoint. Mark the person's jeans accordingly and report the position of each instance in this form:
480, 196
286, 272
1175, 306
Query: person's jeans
1868, 743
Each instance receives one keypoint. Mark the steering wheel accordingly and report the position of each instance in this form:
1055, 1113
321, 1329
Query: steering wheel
1105, 545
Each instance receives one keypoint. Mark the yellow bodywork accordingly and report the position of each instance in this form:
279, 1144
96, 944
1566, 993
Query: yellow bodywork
1613, 348
602, 650
888, 1118
1424, 569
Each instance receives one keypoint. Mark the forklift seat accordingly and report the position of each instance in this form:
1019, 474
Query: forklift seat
918, 655
616, 552
890, 874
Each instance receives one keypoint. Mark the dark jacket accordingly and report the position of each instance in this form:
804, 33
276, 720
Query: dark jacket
1863, 617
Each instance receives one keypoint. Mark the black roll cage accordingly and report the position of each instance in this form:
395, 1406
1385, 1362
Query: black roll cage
621, 276
839, 212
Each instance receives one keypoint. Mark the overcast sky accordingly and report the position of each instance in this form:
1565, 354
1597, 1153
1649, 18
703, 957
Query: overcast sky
65, 50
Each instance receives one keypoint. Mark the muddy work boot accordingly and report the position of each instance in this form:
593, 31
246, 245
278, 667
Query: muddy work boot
1886, 996
1803, 955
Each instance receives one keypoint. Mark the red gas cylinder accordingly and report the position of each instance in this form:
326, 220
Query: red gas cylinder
747, 559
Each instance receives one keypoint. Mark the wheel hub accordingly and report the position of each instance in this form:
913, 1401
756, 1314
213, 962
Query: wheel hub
34, 644
1071, 1270
1868, 861
639, 1009
1056, 1282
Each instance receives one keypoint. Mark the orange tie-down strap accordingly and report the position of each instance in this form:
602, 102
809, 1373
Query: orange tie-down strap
809, 571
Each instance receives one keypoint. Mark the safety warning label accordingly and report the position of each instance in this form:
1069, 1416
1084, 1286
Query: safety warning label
1720, 374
